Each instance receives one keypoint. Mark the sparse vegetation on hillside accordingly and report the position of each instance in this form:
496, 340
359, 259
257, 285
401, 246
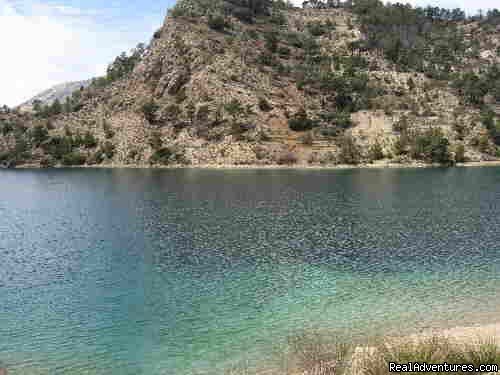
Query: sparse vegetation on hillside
473, 87
338, 83
243, 10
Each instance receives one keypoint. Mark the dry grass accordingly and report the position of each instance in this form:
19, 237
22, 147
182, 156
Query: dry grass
314, 354
433, 350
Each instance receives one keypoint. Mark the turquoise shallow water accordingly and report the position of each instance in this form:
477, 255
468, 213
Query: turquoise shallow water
188, 272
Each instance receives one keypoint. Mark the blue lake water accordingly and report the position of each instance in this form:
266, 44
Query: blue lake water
191, 271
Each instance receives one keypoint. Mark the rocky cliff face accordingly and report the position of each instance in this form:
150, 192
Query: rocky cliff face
208, 94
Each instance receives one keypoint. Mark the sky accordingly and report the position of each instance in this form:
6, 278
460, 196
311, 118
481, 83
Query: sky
47, 42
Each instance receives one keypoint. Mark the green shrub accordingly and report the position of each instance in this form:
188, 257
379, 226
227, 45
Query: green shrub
284, 52
89, 141
301, 122
350, 88
266, 58
472, 87
95, 158
73, 158
460, 154
272, 41
149, 110
155, 140
132, 154
108, 132
217, 22
402, 144
329, 131
353, 63
295, 39
401, 125
252, 34
172, 111
203, 113
350, 152
77, 140
411, 84
181, 95
488, 119
108, 149
58, 146
21, 147
339, 120
483, 143
47, 162
243, 13
343, 120
278, 18
191, 111
161, 156
39, 134
6, 128
45, 110
317, 28
431, 146
6, 157
176, 12
157, 34
234, 109
264, 105
376, 151
123, 64
261, 153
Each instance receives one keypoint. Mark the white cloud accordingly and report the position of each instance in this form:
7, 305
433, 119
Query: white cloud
36, 50
45, 45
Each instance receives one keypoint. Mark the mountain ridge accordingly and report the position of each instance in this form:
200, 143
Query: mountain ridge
60, 92
220, 84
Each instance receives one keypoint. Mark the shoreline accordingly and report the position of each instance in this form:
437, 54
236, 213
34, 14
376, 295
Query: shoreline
470, 333
382, 165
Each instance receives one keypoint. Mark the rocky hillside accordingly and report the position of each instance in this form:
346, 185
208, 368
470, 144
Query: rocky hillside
224, 83
58, 92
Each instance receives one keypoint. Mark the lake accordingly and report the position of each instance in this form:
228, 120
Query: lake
192, 271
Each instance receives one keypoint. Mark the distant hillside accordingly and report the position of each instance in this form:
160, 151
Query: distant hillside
228, 83
61, 92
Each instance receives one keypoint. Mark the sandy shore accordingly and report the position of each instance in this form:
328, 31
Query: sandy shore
376, 165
